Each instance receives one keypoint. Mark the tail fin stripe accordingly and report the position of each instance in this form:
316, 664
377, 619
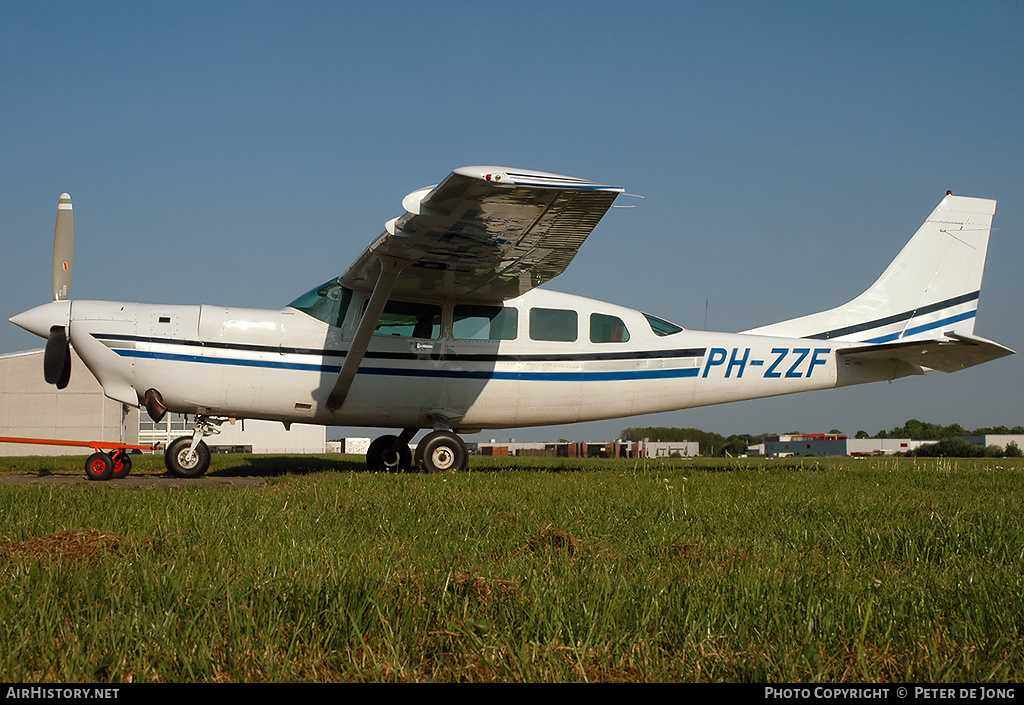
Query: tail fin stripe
921, 329
906, 315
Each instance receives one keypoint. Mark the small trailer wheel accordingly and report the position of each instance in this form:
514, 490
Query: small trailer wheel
99, 466
122, 464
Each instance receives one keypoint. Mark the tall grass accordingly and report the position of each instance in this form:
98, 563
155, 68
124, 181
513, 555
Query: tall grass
519, 570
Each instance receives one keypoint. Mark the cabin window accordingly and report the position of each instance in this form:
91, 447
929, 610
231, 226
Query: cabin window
405, 319
661, 326
607, 329
485, 322
327, 302
553, 324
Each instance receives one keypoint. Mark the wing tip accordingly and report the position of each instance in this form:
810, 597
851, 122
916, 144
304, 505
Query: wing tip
530, 177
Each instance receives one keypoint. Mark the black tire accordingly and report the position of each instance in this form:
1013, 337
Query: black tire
122, 464
382, 457
417, 456
99, 466
442, 451
178, 464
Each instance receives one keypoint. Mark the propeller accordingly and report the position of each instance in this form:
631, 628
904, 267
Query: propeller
57, 358
63, 248
57, 355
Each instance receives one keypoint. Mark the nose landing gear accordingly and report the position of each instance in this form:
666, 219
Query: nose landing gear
189, 456
182, 460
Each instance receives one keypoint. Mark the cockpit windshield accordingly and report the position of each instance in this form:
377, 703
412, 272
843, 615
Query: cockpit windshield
327, 302
662, 327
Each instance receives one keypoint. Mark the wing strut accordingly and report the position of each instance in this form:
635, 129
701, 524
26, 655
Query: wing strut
390, 268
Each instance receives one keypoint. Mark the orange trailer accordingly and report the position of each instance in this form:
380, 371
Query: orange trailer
101, 465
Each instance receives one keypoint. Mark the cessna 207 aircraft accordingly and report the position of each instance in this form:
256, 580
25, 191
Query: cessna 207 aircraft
441, 324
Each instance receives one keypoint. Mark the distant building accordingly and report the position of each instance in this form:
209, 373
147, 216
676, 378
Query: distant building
575, 449
996, 439
355, 446
826, 444
668, 449
31, 408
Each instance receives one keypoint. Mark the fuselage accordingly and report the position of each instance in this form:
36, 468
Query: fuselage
543, 358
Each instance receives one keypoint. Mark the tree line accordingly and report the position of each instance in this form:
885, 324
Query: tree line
923, 431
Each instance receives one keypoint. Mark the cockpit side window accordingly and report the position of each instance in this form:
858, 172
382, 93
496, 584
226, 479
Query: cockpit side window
473, 322
406, 319
553, 324
327, 302
607, 329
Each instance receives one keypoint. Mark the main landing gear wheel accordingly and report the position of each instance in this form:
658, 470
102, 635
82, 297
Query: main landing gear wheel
179, 464
99, 466
441, 451
382, 456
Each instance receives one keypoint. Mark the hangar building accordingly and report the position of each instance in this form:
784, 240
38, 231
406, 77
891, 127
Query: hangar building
31, 408
826, 444
612, 449
996, 439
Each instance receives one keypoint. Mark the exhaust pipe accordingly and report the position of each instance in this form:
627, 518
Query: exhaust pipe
154, 405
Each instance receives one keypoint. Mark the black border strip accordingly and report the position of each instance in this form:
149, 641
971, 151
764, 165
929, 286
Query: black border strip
896, 318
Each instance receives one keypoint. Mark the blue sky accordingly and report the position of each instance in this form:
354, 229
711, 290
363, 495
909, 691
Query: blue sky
239, 153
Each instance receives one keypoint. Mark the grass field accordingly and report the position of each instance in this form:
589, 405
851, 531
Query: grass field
825, 570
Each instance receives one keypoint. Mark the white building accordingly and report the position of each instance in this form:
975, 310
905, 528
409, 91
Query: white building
669, 449
353, 446
996, 439
610, 449
825, 444
31, 408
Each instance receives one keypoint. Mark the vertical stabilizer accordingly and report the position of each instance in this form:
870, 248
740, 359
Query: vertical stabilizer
930, 289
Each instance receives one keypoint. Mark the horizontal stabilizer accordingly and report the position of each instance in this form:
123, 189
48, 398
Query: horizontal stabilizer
957, 352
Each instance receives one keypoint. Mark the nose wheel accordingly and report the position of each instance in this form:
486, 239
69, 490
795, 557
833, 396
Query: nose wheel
182, 461
189, 456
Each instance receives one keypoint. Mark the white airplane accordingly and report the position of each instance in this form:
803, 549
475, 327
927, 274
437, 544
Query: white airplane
441, 324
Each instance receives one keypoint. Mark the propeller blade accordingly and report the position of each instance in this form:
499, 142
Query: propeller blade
63, 248
65, 372
57, 358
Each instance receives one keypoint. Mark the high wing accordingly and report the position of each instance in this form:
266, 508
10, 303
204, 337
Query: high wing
485, 234
957, 352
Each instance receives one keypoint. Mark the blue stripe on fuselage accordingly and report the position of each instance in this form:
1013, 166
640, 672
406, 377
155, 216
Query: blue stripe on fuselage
603, 376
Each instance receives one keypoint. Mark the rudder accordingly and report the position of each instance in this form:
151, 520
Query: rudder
932, 287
